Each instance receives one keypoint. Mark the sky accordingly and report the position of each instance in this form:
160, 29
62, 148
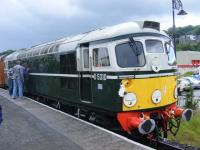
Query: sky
24, 23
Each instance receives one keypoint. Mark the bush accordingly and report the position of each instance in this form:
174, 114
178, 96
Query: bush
186, 47
189, 100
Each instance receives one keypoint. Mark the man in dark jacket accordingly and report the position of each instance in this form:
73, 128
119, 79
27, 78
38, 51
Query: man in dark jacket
10, 81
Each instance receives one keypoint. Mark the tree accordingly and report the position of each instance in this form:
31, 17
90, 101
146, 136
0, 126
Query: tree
196, 30
187, 30
6, 52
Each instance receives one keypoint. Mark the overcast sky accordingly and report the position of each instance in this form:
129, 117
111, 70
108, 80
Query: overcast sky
24, 23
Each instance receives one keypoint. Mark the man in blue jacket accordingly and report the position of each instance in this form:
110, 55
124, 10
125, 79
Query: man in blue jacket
18, 75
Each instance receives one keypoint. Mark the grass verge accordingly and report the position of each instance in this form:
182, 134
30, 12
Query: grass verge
189, 132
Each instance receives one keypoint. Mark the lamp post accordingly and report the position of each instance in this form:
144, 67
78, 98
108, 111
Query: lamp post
176, 5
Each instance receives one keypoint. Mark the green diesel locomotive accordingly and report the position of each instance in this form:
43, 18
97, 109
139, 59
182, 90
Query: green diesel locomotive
124, 75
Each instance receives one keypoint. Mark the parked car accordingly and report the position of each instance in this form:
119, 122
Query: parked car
197, 71
185, 83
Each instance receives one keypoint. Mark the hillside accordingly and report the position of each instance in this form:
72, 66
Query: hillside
187, 30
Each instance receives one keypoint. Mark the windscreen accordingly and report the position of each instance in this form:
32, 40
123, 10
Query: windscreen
171, 53
128, 56
154, 46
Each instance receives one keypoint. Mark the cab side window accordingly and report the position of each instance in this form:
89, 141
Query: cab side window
101, 57
86, 58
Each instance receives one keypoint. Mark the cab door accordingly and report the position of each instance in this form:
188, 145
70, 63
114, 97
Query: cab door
85, 74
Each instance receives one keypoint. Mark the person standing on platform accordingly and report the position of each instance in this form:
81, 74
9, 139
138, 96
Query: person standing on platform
1, 118
10, 81
18, 74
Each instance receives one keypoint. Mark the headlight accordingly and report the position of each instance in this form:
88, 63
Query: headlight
175, 92
156, 96
130, 100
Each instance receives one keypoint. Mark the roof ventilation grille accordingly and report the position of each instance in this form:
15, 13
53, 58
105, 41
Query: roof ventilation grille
152, 25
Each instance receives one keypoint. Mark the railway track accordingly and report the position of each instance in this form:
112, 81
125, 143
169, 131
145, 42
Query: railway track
164, 144
168, 145
161, 145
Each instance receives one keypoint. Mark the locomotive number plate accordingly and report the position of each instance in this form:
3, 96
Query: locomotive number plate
100, 76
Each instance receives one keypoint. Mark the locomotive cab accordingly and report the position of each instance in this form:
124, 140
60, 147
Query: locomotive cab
150, 88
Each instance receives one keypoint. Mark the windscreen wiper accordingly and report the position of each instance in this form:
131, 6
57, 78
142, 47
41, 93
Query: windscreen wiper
134, 47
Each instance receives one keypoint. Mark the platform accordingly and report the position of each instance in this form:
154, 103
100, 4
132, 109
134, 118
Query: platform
29, 125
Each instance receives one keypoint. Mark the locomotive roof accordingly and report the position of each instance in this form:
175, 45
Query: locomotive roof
70, 43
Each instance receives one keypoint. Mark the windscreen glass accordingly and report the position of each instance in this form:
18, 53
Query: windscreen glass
130, 55
170, 53
154, 46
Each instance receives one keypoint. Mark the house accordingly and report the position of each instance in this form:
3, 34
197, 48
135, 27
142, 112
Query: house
189, 39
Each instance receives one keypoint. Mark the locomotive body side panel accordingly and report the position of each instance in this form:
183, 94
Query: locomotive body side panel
53, 76
105, 91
